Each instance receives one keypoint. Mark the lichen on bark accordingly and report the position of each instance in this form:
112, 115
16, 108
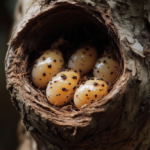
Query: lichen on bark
121, 120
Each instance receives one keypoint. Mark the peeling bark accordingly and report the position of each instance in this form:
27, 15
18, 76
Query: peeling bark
120, 121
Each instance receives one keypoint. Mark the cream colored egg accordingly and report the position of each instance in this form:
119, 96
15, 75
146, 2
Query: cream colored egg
107, 68
61, 88
83, 59
50, 63
89, 92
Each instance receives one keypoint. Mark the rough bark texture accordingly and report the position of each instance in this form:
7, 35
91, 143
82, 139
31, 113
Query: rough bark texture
26, 142
118, 122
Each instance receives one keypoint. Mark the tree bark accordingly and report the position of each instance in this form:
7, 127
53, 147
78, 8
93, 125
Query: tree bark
26, 141
120, 121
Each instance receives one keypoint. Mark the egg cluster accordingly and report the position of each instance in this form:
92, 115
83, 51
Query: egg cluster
64, 84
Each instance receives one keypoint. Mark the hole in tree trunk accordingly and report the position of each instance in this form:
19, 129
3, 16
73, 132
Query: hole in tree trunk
77, 27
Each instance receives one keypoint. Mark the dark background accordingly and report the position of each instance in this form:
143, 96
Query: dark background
9, 117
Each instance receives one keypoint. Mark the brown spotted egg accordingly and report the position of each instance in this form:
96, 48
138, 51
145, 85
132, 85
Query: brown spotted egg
50, 63
89, 92
61, 88
83, 59
107, 68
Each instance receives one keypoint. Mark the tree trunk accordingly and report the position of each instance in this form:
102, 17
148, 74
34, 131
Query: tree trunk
120, 121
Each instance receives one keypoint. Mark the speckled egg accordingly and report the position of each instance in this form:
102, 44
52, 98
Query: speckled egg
89, 92
83, 59
107, 68
61, 88
50, 63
